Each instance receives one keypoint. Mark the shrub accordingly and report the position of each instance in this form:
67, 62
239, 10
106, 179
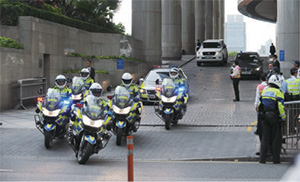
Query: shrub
232, 54
9, 43
10, 11
78, 71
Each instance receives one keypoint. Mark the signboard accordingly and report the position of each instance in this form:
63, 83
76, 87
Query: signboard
120, 64
281, 55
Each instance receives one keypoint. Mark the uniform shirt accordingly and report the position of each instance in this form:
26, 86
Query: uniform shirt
236, 72
88, 82
272, 99
132, 89
284, 86
298, 76
259, 90
65, 92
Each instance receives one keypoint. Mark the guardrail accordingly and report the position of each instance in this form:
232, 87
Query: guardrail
291, 128
28, 89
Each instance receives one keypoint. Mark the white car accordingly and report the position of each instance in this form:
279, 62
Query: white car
212, 51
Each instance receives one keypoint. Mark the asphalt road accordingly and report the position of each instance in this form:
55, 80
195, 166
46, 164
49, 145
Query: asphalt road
206, 145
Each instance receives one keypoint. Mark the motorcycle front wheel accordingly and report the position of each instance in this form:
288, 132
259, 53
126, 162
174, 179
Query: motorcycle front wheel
48, 139
168, 119
84, 152
119, 136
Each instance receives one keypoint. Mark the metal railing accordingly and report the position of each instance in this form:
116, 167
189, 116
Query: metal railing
28, 89
291, 128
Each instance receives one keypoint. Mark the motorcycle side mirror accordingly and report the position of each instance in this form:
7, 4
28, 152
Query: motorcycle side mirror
40, 91
141, 80
109, 88
157, 82
109, 97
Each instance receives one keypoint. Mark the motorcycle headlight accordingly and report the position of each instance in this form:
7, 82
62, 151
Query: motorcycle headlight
76, 97
93, 123
142, 90
66, 102
48, 113
121, 111
181, 89
168, 100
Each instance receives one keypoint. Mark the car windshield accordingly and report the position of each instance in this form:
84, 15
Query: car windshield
153, 76
252, 58
211, 45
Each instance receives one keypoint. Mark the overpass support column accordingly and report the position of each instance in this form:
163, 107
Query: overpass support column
222, 19
188, 26
208, 19
287, 32
146, 26
216, 19
200, 20
171, 29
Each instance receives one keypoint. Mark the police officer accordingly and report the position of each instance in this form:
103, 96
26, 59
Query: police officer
296, 65
60, 84
272, 106
236, 76
291, 86
85, 75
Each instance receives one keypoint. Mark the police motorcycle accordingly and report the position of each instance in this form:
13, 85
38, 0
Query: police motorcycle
52, 116
171, 99
125, 112
88, 134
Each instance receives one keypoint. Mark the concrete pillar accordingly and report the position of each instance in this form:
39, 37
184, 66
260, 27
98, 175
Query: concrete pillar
208, 19
146, 26
222, 19
171, 29
200, 20
216, 19
287, 32
188, 26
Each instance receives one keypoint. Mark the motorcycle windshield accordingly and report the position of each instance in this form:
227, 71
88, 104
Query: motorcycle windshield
93, 109
52, 100
168, 87
77, 85
122, 97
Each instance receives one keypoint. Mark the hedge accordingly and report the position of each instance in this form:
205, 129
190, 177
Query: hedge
9, 43
78, 71
104, 57
10, 11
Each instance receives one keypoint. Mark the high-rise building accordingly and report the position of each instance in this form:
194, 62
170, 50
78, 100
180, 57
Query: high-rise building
235, 33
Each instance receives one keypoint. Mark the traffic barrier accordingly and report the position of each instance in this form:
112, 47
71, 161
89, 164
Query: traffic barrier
28, 89
130, 158
291, 128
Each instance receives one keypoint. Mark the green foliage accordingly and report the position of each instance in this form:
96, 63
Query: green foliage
9, 43
104, 57
50, 8
10, 11
120, 28
232, 54
78, 71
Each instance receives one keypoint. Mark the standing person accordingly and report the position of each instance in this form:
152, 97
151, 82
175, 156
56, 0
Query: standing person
296, 65
91, 69
270, 72
272, 106
272, 49
198, 45
291, 86
236, 75
259, 89
276, 63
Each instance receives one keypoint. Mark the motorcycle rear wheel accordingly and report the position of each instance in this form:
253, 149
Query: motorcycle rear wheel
119, 136
84, 152
48, 139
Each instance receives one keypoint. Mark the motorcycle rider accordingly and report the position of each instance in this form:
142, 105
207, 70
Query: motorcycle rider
174, 75
85, 75
272, 106
61, 85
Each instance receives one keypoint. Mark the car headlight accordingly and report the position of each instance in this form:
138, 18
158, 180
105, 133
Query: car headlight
168, 100
257, 69
121, 111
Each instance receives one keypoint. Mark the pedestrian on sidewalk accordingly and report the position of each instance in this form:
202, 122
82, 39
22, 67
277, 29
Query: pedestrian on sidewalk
296, 65
275, 62
272, 105
236, 76
272, 49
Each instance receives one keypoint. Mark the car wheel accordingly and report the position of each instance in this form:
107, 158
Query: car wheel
198, 64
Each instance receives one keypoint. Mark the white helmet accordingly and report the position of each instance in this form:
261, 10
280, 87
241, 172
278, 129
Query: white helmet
84, 73
126, 79
276, 79
96, 89
174, 72
60, 81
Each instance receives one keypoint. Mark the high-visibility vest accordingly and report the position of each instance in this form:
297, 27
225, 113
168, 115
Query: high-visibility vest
261, 87
293, 87
239, 74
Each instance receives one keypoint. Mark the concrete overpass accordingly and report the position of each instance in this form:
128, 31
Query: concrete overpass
285, 13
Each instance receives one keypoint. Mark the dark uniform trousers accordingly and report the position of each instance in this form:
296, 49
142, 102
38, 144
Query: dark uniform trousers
236, 88
271, 135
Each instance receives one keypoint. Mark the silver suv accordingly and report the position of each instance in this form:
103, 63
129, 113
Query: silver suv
212, 51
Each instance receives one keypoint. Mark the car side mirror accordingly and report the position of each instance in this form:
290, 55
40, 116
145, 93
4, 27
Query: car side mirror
157, 82
109, 88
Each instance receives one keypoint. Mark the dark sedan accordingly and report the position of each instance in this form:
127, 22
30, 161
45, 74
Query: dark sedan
250, 64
